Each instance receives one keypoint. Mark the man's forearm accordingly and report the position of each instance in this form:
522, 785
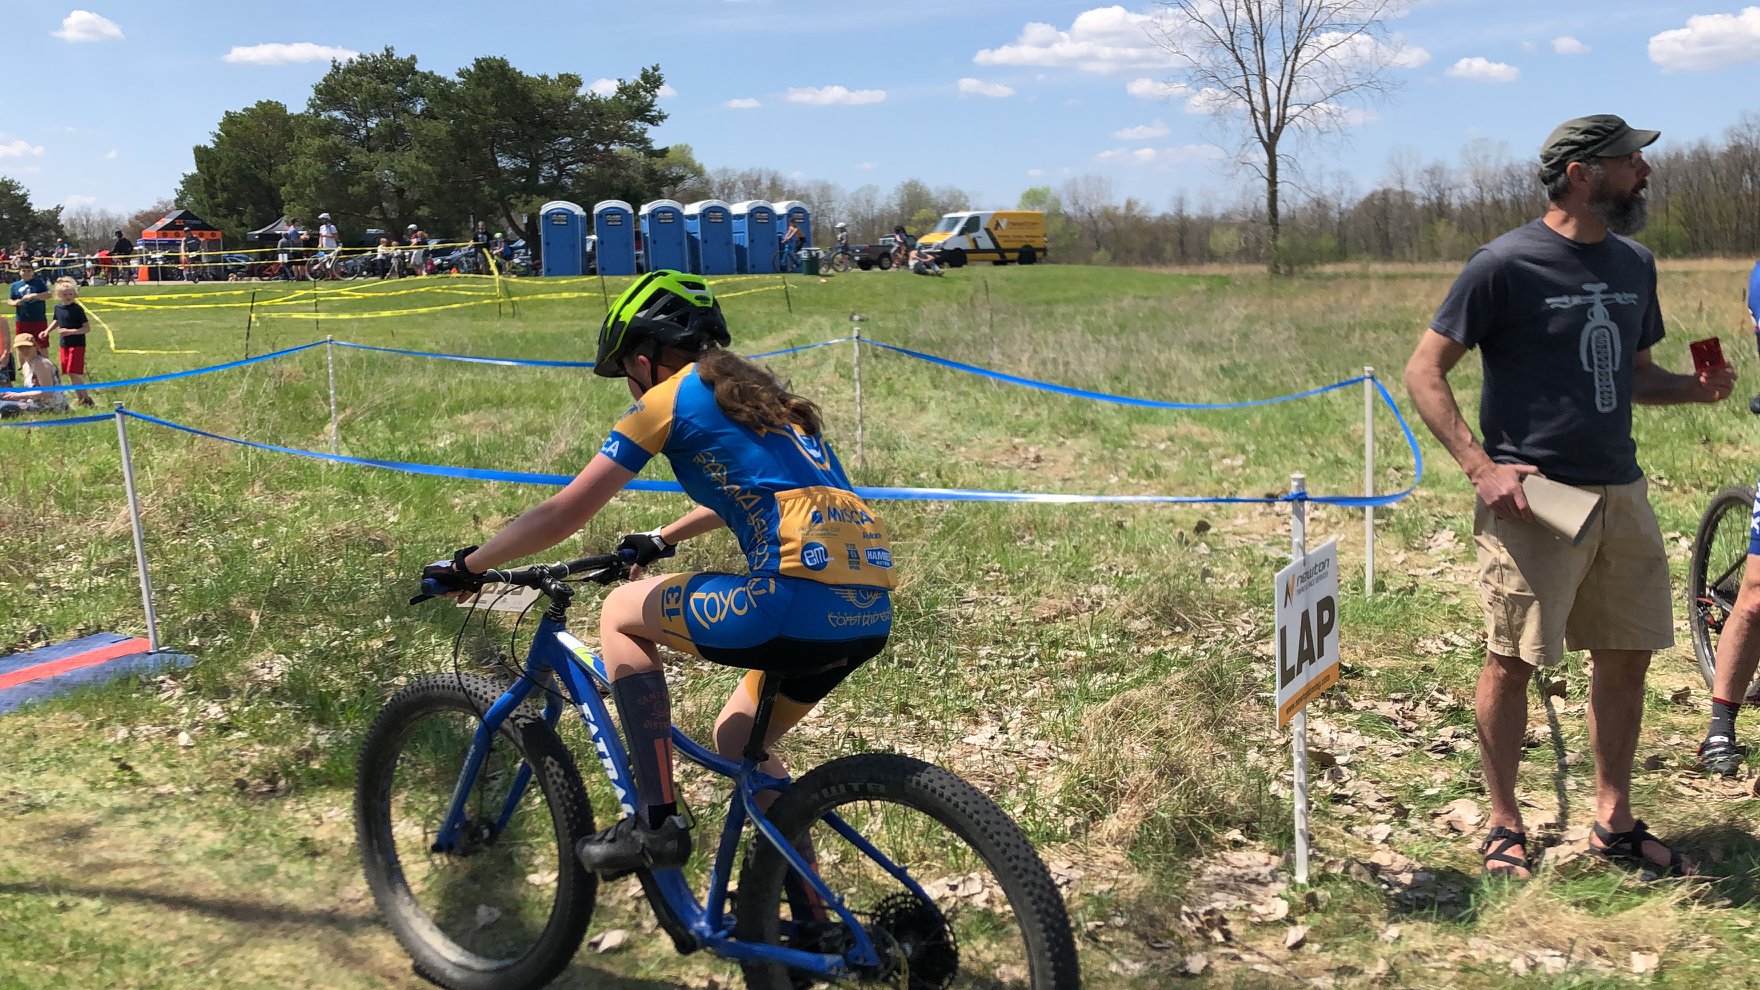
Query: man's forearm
1442, 414
1653, 385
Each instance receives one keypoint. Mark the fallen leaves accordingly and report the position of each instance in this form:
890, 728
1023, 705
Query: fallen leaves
1461, 815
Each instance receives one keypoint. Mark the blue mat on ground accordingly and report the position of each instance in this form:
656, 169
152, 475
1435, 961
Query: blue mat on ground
43, 673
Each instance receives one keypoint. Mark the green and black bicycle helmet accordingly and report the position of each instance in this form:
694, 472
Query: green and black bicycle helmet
664, 308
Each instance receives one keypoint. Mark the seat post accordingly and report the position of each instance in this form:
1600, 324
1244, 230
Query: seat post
767, 688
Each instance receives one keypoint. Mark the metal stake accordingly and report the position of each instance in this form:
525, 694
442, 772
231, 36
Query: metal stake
134, 515
1298, 485
1368, 481
330, 360
856, 346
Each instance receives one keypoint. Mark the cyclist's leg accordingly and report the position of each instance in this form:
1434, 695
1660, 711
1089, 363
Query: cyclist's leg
629, 624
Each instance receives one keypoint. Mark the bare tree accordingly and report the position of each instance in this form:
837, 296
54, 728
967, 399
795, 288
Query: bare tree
1280, 69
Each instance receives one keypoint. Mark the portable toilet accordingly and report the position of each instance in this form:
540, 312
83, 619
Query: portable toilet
614, 222
754, 237
664, 236
794, 210
565, 230
710, 225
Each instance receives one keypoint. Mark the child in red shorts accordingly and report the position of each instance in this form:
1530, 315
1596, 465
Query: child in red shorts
70, 319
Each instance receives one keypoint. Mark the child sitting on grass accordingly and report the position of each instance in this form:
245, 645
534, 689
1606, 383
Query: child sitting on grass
37, 373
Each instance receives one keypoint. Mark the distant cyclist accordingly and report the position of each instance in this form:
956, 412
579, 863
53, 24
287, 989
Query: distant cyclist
843, 247
901, 246
793, 239
815, 603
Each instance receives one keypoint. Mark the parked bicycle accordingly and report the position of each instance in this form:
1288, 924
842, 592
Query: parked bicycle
1714, 571
469, 805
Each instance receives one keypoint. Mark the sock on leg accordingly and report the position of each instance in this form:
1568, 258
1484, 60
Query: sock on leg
646, 710
1723, 717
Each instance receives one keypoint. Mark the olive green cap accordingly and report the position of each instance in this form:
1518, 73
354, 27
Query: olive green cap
1602, 135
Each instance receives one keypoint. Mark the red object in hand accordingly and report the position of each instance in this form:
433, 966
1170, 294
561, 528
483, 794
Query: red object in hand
1707, 354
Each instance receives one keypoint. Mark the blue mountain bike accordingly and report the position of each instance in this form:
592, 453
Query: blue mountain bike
873, 869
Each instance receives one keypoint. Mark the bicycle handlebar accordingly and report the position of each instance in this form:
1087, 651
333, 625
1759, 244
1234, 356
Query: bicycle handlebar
602, 568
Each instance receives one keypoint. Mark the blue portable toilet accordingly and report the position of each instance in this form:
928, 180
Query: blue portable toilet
795, 210
709, 222
614, 222
565, 232
1754, 296
754, 237
664, 237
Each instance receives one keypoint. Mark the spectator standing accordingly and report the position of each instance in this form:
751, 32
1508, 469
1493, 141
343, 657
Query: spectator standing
192, 256
386, 258
329, 238
1564, 313
122, 249
29, 304
70, 320
37, 373
284, 251
417, 242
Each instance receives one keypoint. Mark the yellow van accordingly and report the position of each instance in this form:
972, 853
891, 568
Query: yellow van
998, 236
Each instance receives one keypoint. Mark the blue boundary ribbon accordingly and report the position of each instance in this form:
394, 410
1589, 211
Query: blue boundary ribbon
876, 493
192, 372
71, 421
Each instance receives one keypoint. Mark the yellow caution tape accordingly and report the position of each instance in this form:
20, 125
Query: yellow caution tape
124, 350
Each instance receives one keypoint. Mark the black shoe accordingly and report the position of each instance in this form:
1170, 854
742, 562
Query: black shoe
1721, 755
628, 846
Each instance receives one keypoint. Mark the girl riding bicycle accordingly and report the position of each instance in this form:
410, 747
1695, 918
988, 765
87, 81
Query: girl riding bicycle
815, 604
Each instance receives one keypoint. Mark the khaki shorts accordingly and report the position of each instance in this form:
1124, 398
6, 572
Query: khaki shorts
1609, 592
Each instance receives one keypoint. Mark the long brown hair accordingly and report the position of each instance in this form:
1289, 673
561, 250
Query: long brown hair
753, 397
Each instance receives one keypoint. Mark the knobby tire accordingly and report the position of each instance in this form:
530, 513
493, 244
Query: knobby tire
1714, 573
969, 832
489, 945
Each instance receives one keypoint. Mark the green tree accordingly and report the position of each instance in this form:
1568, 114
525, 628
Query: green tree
21, 221
369, 146
238, 178
1061, 235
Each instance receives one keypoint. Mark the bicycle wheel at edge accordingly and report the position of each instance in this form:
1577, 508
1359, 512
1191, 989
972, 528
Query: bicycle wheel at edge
1714, 573
511, 909
997, 921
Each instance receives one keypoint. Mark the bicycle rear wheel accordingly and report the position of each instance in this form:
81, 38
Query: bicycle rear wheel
840, 263
992, 917
508, 906
1714, 573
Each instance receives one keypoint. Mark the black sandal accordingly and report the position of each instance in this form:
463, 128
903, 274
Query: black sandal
1496, 849
1627, 849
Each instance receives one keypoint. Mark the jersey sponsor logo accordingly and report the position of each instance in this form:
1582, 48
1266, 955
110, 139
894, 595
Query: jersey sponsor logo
710, 607
672, 602
839, 514
815, 556
842, 619
638, 407
879, 556
611, 448
816, 519
854, 556
859, 597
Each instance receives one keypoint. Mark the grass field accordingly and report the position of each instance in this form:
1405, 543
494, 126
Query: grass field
1103, 671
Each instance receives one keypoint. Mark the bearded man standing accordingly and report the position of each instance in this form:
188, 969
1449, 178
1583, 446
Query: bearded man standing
1564, 312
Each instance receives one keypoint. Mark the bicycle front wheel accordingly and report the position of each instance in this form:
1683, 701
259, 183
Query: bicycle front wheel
507, 906
1714, 573
840, 263
984, 912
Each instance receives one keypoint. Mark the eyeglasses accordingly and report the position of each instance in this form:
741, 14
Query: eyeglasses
1632, 160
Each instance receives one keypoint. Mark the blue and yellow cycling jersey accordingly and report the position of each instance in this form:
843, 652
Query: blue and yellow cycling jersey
782, 492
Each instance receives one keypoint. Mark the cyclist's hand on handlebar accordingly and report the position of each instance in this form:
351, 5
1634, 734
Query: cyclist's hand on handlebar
449, 579
642, 549
1500, 488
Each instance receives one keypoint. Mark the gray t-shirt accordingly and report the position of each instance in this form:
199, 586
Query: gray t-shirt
1557, 323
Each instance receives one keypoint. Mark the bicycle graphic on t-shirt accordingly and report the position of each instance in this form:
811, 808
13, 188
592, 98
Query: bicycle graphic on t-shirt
1599, 343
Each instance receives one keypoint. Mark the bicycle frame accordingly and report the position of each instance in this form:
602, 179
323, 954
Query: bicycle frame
581, 672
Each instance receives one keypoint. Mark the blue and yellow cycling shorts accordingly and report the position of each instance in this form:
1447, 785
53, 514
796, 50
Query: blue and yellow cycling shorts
813, 635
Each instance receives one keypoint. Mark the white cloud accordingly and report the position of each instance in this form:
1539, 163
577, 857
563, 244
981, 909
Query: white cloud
1209, 100
1709, 41
1152, 89
602, 87
83, 25
1480, 69
743, 103
866, 167
977, 87
1182, 154
280, 53
1104, 39
827, 95
1034, 173
1568, 45
666, 91
19, 148
110, 155
1142, 133
76, 201
1366, 50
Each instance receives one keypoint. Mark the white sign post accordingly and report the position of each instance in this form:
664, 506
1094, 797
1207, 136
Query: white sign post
1306, 642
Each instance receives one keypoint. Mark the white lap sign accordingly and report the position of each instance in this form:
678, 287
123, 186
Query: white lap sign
1306, 639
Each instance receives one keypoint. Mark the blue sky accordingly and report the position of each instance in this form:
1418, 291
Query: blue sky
993, 96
